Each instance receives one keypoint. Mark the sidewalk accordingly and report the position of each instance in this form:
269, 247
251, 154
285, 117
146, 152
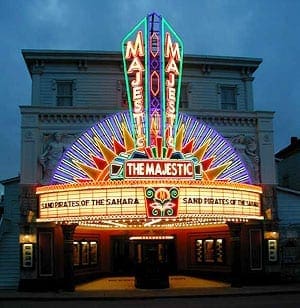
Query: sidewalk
123, 288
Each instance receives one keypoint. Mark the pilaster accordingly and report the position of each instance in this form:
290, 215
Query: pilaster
68, 281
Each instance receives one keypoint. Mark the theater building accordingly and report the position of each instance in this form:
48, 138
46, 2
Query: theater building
147, 162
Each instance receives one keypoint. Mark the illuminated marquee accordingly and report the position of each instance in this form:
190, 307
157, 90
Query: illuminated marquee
150, 166
149, 203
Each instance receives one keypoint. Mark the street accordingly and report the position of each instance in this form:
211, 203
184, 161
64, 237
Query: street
257, 301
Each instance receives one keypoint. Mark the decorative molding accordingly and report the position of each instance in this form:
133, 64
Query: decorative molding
53, 145
70, 118
228, 85
247, 147
37, 67
206, 69
229, 120
246, 73
82, 65
267, 140
28, 135
54, 83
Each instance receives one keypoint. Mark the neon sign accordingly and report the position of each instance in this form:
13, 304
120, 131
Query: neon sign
159, 168
150, 165
149, 203
152, 57
95, 156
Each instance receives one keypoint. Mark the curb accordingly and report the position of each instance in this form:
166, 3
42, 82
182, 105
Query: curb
145, 294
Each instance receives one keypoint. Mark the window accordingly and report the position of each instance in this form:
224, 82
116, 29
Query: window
209, 251
93, 253
85, 253
285, 182
228, 97
85, 258
27, 255
255, 249
122, 96
76, 253
184, 101
272, 250
219, 250
199, 251
64, 94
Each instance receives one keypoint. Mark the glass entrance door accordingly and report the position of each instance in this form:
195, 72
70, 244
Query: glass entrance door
122, 256
154, 262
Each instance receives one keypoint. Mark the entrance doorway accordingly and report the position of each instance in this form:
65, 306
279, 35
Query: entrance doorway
127, 253
122, 256
155, 259
154, 252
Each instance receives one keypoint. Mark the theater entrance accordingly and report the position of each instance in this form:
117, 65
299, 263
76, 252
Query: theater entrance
149, 259
155, 259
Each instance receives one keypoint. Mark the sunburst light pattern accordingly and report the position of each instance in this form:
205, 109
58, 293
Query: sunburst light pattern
89, 158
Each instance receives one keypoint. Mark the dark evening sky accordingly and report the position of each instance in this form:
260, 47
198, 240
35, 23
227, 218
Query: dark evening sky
267, 29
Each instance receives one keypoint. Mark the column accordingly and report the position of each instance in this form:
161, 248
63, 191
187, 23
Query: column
68, 281
236, 258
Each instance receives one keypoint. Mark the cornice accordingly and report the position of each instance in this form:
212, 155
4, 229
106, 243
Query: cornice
91, 115
246, 65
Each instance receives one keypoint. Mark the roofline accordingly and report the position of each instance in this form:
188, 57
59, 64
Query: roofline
48, 54
288, 150
288, 190
14, 179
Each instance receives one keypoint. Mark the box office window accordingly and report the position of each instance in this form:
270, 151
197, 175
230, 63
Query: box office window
209, 251
45, 242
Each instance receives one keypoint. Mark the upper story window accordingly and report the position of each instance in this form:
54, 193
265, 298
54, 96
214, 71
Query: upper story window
1, 211
228, 97
122, 96
184, 98
64, 96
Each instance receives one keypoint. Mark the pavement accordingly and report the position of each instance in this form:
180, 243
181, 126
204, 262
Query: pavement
115, 288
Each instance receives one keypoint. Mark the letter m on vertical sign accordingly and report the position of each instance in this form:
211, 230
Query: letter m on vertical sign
134, 47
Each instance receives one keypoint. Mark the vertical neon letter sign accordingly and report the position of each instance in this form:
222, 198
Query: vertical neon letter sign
152, 57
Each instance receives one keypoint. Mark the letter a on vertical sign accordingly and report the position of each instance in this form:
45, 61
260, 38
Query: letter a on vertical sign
152, 58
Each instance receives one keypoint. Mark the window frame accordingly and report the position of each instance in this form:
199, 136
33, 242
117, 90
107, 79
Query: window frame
203, 256
226, 105
55, 87
184, 100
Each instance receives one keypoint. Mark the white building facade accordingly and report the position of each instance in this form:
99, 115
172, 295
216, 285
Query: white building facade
72, 90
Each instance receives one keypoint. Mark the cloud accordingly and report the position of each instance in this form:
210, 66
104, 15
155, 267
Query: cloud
213, 27
50, 11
